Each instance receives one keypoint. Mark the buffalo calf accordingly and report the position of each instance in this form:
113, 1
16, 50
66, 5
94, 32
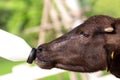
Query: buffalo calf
91, 46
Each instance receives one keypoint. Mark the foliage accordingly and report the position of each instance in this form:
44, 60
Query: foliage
102, 7
107, 7
19, 15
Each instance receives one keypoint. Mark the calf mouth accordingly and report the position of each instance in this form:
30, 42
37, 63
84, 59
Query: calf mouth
44, 64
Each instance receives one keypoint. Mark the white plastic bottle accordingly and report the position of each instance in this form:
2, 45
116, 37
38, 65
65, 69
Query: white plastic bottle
13, 47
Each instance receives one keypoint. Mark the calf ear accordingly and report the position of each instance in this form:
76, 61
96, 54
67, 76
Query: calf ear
108, 29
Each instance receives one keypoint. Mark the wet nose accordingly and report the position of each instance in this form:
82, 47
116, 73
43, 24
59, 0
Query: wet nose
40, 49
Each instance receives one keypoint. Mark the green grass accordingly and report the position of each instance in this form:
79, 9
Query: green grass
6, 66
61, 76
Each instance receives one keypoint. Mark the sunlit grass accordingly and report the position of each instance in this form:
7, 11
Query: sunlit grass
6, 66
62, 76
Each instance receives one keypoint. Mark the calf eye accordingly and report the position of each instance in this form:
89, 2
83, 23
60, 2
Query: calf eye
85, 34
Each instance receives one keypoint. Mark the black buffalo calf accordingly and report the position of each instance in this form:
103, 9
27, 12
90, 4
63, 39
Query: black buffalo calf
91, 46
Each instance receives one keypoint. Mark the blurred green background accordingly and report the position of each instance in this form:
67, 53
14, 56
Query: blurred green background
20, 16
17, 16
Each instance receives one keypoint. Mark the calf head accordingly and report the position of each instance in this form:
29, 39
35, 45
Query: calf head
91, 46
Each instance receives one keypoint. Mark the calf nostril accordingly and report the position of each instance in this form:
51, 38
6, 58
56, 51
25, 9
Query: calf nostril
40, 48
